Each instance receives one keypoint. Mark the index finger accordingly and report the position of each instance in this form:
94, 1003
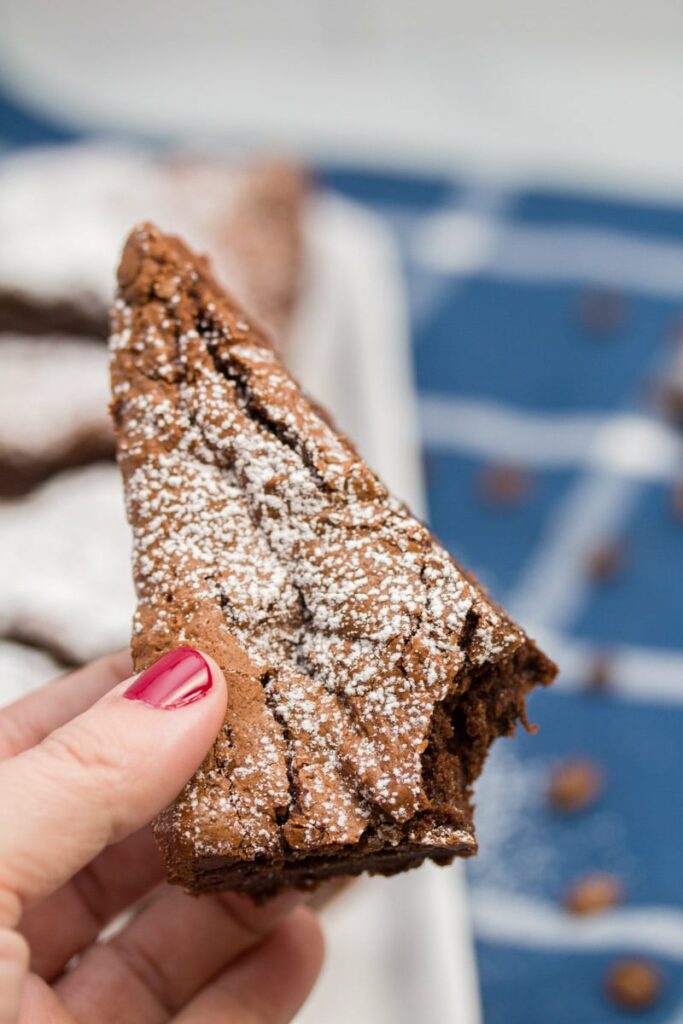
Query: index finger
106, 773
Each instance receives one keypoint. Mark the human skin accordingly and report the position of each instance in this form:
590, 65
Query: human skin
85, 764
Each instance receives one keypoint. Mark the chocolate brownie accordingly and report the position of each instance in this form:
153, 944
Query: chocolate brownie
54, 395
263, 243
367, 673
64, 211
64, 550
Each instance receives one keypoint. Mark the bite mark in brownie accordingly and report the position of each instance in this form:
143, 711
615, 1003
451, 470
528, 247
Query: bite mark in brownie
367, 673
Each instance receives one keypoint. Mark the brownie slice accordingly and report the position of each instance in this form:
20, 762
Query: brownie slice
64, 582
77, 202
26, 312
367, 673
54, 393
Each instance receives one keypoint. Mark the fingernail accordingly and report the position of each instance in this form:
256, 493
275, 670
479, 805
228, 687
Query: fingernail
178, 678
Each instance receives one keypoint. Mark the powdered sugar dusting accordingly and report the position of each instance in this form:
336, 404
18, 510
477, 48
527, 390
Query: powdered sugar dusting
74, 595
53, 392
250, 510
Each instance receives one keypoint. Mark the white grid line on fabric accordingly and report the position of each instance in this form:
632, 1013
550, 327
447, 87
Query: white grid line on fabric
462, 241
614, 450
479, 204
636, 673
625, 444
554, 582
505, 917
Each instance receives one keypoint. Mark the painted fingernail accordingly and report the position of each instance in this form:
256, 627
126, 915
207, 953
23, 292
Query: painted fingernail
178, 678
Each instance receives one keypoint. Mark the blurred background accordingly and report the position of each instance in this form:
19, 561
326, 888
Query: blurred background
464, 224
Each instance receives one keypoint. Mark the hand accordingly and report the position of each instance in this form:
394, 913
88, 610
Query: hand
79, 781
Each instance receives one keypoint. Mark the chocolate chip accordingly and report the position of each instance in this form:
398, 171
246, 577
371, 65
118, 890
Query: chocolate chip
504, 484
606, 562
633, 984
575, 785
669, 400
599, 677
601, 311
593, 893
678, 500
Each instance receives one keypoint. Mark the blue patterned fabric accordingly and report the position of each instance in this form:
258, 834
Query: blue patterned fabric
505, 346
512, 367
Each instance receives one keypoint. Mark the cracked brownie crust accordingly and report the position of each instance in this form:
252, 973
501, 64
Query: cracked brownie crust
367, 674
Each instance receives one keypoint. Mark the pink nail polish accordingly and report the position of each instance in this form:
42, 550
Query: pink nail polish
178, 678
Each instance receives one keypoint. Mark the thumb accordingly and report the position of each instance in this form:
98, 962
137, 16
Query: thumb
105, 774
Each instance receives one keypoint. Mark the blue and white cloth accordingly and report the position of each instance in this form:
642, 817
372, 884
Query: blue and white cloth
508, 372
